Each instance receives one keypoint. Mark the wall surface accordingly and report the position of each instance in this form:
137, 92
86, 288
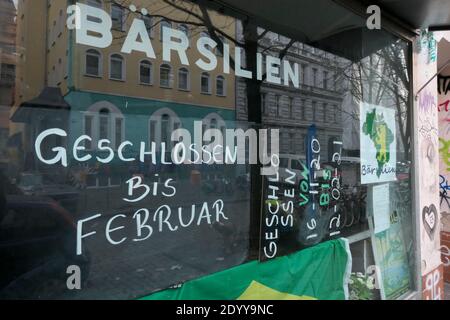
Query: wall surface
427, 169
444, 141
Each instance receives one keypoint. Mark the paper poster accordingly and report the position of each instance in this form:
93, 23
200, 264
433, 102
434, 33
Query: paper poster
381, 207
391, 257
378, 144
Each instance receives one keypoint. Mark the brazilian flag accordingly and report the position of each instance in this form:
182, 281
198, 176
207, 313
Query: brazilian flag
319, 272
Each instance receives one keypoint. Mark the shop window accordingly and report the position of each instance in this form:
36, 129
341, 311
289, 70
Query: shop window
93, 63
220, 86
324, 159
205, 83
183, 79
165, 76
117, 67
145, 72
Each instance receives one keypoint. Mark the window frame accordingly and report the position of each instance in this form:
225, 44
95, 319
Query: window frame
123, 71
100, 63
123, 17
188, 80
170, 76
224, 86
202, 76
141, 62
95, 128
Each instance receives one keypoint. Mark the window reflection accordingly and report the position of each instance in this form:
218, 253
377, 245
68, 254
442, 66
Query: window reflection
318, 122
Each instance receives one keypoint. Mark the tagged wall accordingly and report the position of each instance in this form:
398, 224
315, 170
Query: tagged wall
427, 159
444, 149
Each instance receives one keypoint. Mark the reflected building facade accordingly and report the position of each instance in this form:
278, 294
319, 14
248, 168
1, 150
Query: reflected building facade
318, 100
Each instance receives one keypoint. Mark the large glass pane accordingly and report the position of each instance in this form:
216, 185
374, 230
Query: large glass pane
146, 187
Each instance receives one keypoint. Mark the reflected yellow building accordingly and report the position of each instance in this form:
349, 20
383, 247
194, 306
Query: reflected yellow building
119, 96
66, 63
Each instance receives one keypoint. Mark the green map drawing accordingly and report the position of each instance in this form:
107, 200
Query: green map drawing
382, 137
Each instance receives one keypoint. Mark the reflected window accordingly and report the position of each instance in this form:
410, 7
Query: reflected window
218, 52
278, 105
183, 79
165, 76
304, 74
145, 72
93, 63
213, 124
314, 110
263, 103
148, 21
291, 107
161, 126
104, 121
303, 109
325, 80
117, 67
165, 129
315, 79
292, 143
206, 83
94, 3
335, 114
184, 28
117, 17
220, 86
88, 130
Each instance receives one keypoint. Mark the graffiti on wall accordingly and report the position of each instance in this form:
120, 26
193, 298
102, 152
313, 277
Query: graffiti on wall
430, 220
443, 84
429, 137
444, 166
445, 251
428, 159
433, 284
443, 194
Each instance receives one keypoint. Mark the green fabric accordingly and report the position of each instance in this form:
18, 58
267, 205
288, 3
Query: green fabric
320, 272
